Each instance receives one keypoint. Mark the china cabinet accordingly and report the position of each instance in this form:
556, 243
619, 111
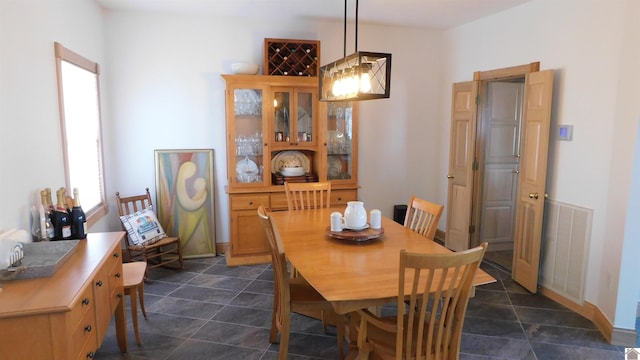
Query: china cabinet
275, 122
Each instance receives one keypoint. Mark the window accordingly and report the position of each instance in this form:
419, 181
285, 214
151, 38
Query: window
79, 101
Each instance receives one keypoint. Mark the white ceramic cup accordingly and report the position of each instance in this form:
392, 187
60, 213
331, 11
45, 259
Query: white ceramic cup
375, 219
336, 221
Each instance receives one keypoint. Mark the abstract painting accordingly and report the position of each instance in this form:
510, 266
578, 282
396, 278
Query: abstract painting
185, 198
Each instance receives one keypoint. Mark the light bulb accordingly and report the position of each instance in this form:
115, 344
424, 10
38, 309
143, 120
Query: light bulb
365, 82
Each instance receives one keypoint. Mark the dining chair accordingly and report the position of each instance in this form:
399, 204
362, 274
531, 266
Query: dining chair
307, 196
162, 252
423, 216
291, 294
314, 195
133, 279
437, 288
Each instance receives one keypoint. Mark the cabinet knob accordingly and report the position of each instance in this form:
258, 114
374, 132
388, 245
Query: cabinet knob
250, 202
88, 328
116, 255
118, 275
90, 355
119, 295
85, 301
99, 283
339, 199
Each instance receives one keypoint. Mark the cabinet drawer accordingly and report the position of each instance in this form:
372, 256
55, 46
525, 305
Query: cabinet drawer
341, 197
88, 350
82, 307
84, 332
116, 284
279, 201
248, 202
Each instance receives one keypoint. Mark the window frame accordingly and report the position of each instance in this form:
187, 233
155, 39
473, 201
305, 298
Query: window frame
96, 212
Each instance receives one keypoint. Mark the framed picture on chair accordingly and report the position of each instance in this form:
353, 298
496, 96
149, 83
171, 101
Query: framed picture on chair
185, 198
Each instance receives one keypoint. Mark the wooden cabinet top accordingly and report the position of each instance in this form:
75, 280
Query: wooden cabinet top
58, 292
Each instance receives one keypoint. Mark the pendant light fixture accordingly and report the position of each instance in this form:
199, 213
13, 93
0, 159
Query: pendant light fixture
362, 75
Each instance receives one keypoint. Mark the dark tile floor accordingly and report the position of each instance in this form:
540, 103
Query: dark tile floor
211, 311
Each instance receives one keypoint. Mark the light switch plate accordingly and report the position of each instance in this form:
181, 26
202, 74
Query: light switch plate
565, 132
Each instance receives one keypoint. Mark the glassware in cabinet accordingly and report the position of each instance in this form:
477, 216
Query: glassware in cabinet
246, 143
341, 141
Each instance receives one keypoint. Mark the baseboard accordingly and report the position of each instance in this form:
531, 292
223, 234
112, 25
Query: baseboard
221, 248
614, 336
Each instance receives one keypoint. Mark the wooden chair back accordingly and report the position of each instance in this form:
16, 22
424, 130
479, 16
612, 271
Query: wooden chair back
281, 294
131, 204
442, 307
423, 216
433, 294
302, 196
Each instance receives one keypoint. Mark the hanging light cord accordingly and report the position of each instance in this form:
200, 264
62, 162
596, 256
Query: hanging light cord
344, 51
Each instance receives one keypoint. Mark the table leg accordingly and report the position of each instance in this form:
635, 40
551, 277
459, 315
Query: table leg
121, 326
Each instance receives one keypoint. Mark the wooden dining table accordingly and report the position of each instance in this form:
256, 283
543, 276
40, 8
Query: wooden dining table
350, 274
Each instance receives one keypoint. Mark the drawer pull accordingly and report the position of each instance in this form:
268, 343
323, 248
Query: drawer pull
99, 283
339, 199
85, 301
250, 202
116, 255
88, 328
90, 355
118, 275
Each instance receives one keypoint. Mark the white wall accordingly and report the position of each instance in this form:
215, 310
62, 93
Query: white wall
166, 92
584, 45
30, 135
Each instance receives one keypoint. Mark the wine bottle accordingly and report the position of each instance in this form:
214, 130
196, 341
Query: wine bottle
49, 202
61, 221
78, 219
45, 199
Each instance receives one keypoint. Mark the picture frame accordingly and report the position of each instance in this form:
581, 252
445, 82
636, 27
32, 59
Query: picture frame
185, 198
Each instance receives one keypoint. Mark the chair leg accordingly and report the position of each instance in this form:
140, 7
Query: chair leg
141, 297
134, 312
340, 326
284, 341
273, 335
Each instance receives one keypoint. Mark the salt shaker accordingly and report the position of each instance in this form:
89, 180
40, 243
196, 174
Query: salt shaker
375, 219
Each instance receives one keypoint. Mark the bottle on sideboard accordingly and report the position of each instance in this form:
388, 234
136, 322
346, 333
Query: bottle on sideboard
77, 217
60, 218
45, 199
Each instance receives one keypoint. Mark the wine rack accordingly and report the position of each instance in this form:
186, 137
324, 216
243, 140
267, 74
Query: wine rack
289, 57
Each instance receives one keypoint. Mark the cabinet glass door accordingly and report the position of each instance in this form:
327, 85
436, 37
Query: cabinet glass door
282, 116
304, 124
340, 164
248, 133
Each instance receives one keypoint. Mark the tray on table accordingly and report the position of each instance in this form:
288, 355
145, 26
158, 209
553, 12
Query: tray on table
356, 235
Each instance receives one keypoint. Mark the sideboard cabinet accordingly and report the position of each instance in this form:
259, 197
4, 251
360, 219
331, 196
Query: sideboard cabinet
276, 120
66, 316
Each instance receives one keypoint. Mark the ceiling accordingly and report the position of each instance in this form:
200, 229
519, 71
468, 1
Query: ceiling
440, 14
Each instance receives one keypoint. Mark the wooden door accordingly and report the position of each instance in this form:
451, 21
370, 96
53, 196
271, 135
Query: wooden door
461, 160
499, 147
532, 180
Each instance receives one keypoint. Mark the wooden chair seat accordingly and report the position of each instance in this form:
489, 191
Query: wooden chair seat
133, 278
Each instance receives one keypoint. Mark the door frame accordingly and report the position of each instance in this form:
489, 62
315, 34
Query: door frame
483, 78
